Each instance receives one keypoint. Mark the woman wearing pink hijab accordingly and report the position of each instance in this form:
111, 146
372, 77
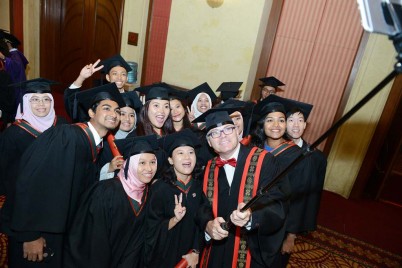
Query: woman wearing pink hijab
35, 114
108, 228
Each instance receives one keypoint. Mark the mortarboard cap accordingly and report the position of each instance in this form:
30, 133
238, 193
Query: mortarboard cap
132, 100
160, 93
37, 85
184, 137
6, 36
88, 97
229, 90
178, 94
271, 81
275, 103
114, 61
203, 88
137, 145
215, 117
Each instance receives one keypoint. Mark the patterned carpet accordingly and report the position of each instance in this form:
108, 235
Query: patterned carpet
327, 248
323, 248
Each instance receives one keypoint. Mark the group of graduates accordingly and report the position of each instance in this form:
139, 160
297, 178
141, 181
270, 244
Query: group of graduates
156, 177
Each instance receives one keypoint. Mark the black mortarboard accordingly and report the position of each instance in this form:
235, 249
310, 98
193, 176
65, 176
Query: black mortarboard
232, 103
114, 61
132, 100
178, 94
215, 117
37, 85
136, 145
87, 98
229, 90
159, 93
6, 36
271, 81
184, 137
275, 103
203, 88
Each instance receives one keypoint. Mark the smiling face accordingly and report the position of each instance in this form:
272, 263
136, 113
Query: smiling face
119, 76
238, 122
295, 125
106, 116
158, 112
146, 167
225, 144
177, 110
40, 104
183, 160
203, 104
127, 119
275, 125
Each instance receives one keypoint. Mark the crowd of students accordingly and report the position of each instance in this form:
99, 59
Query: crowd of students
157, 176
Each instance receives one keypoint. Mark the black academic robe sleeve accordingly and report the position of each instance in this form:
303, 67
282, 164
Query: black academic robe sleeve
163, 247
54, 172
105, 232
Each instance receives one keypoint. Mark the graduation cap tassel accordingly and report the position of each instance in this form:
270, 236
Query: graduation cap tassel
226, 225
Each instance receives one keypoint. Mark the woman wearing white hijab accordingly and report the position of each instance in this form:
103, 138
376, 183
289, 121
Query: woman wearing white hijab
35, 114
202, 98
107, 230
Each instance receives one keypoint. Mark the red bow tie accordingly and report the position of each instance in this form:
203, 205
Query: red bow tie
220, 162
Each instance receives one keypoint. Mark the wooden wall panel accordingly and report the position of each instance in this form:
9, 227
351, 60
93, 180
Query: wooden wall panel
313, 54
157, 38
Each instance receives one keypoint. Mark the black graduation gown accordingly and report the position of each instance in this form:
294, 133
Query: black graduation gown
268, 217
54, 172
106, 232
318, 166
165, 248
13, 143
299, 179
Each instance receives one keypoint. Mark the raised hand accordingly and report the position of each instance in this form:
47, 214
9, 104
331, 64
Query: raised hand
179, 210
87, 72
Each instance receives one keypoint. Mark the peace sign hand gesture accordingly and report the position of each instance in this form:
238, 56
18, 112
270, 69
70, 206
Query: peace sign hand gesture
179, 210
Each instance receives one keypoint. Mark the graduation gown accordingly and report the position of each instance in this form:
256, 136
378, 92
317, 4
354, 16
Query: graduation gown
13, 143
165, 248
265, 237
54, 172
318, 166
299, 179
106, 232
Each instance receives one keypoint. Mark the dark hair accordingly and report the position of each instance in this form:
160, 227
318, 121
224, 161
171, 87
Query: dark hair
144, 126
169, 175
296, 110
186, 121
258, 136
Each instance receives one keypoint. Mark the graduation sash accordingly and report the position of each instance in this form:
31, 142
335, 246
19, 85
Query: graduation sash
282, 147
248, 189
91, 140
30, 129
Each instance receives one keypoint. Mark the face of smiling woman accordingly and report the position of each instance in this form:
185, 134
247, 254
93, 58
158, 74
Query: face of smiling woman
183, 160
40, 104
275, 125
203, 104
146, 167
158, 112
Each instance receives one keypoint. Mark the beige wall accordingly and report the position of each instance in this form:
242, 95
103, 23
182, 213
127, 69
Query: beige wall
135, 20
214, 45
353, 138
4, 15
32, 37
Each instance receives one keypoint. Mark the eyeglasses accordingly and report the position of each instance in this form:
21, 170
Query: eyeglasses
217, 133
35, 100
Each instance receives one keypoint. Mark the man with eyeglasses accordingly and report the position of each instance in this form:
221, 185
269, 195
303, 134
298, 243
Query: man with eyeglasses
55, 171
230, 180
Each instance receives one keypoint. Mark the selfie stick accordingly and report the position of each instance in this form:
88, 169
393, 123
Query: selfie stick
397, 39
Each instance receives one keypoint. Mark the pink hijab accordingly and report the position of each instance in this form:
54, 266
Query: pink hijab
39, 123
133, 187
